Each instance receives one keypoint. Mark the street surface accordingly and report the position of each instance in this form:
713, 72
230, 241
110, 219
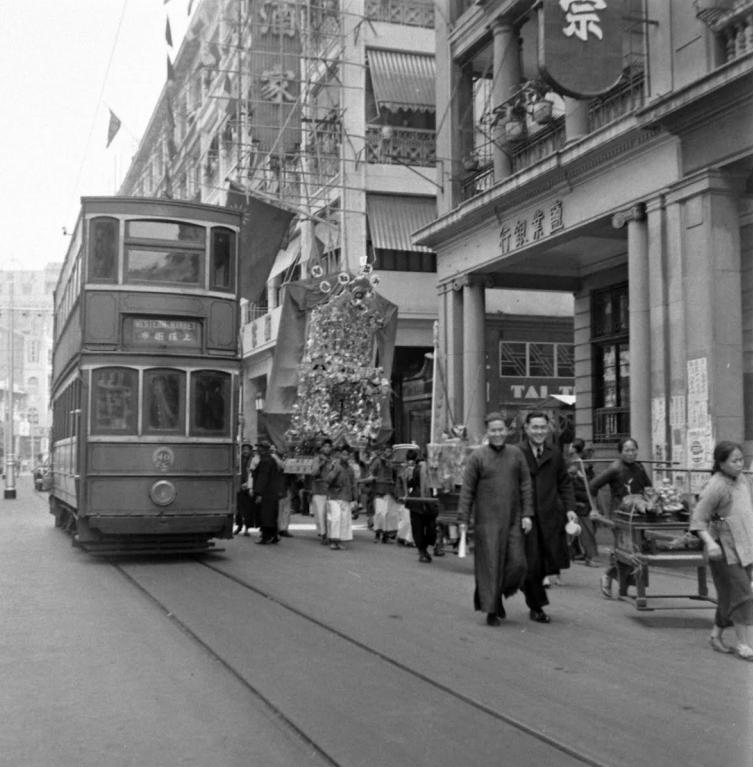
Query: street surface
298, 655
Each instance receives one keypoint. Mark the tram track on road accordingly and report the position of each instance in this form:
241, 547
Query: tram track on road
288, 721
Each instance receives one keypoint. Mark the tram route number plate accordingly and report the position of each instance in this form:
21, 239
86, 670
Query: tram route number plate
301, 465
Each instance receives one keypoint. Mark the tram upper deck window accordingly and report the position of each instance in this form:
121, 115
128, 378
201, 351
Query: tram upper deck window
103, 250
174, 267
222, 270
114, 401
210, 398
164, 252
164, 402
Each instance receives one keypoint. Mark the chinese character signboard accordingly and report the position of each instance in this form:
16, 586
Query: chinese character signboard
275, 74
530, 227
151, 333
580, 45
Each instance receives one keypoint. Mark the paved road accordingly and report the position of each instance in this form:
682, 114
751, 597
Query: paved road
375, 659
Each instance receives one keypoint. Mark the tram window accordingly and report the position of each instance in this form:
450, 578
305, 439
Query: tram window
164, 395
114, 401
210, 398
166, 230
163, 266
103, 250
223, 263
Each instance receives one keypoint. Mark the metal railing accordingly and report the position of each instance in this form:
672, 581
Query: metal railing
415, 13
407, 146
611, 424
625, 98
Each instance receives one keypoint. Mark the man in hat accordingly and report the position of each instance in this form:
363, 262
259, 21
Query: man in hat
497, 490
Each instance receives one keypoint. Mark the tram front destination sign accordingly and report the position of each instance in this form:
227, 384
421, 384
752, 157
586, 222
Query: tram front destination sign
161, 332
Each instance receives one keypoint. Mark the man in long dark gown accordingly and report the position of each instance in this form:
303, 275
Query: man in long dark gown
497, 490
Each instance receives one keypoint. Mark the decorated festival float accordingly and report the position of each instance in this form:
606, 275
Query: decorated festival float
332, 367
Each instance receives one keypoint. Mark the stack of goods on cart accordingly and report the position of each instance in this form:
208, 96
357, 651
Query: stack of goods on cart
664, 500
341, 391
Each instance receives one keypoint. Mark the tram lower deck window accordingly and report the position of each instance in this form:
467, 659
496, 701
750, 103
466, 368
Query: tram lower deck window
164, 402
114, 401
210, 400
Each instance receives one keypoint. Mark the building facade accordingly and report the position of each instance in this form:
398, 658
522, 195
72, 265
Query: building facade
26, 314
638, 202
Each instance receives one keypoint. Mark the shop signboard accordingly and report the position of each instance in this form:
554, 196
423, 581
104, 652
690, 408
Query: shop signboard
580, 46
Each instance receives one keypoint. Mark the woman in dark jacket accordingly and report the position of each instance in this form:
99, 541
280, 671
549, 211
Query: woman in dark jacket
625, 476
267, 482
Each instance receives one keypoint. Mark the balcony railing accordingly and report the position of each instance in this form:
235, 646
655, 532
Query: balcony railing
407, 146
734, 30
413, 13
611, 424
625, 98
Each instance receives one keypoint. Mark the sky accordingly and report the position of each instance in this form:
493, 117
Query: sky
64, 65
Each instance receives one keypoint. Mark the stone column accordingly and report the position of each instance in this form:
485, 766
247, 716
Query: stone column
506, 80
709, 230
474, 357
453, 313
576, 118
639, 327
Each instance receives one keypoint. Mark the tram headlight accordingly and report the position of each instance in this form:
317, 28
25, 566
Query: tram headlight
163, 493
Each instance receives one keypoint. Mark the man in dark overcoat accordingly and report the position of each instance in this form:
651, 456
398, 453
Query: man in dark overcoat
554, 503
497, 491
267, 482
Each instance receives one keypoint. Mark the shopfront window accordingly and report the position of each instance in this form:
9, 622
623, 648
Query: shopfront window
611, 364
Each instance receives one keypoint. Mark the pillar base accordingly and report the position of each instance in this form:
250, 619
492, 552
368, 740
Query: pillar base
9, 494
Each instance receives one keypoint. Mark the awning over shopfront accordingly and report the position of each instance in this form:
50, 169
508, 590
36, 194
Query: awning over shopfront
403, 80
263, 232
393, 219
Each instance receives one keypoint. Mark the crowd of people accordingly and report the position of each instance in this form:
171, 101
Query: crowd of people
534, 510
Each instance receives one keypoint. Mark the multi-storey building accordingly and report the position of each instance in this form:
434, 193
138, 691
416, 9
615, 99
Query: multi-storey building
638, 202
26, 310
329, 112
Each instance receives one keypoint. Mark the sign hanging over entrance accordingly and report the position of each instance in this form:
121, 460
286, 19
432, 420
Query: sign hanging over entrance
580, 45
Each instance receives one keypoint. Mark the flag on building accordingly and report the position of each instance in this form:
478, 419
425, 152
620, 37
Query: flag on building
112, 128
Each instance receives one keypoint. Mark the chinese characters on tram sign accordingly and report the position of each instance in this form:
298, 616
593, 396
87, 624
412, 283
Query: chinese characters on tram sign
151, 332
531, 228
580, 45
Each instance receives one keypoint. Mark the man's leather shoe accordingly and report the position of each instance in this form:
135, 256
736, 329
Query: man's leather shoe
493, 620
539, 616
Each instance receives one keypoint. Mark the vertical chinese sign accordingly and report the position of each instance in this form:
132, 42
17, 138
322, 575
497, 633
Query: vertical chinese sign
275, 69
580, 45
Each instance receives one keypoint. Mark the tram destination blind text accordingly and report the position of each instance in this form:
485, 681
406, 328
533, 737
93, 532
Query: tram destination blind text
143, 333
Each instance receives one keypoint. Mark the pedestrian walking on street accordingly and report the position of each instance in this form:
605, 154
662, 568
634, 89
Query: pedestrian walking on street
319, 488
497, 491
267, 481
625, 476
244, 503
723, 519
385, 508
413, 482
584, 546
554, 506
341, 492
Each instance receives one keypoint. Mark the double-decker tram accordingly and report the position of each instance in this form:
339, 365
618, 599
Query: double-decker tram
145, 379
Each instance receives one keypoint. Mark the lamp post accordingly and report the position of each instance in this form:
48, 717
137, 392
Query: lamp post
10, 458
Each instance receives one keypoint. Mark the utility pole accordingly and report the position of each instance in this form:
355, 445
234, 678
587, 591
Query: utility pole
10, 458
